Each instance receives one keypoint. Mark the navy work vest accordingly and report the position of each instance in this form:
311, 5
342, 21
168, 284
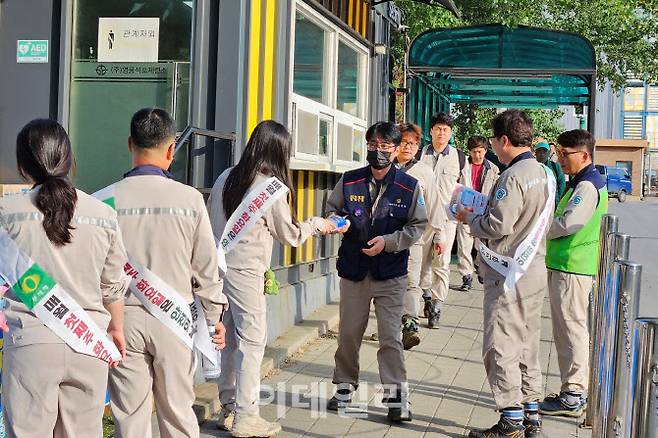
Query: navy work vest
391, 215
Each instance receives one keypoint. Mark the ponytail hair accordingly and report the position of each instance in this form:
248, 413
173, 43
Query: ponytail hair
45, 158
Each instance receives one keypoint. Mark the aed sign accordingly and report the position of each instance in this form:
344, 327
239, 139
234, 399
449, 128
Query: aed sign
32, 51
133, 39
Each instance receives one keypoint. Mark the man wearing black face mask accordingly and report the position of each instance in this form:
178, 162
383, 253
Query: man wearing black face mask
386, 210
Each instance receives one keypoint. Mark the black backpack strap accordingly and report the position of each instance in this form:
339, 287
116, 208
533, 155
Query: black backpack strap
462, 162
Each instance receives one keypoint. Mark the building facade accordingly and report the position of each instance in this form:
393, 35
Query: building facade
219, 65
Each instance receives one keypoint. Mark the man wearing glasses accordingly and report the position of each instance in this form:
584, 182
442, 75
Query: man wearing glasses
420, 254
450, 167
512, 248
572, 261
386, 210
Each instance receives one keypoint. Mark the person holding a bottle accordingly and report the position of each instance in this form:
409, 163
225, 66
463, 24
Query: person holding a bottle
249, 209
386, 210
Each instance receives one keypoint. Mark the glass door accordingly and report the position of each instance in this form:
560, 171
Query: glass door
126, 55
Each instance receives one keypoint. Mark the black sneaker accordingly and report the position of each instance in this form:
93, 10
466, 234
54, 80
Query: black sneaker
532, 428
434, 314
467, 283
341, 399
503, 429
410, 336
427, 306
398, 410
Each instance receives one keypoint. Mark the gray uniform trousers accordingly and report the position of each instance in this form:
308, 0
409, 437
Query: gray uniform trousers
465, 242
158, 366
569, 294
49, 390
413, 293
510, 347
246, 337
354, 308
438, 277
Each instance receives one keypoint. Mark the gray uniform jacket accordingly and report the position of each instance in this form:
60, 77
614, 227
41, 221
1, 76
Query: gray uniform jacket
165, 227
399, 240
253, 252
575, 215
436, 213
447, 173
516, 202
90, 268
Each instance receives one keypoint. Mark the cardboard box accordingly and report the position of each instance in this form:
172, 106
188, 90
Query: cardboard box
13, 189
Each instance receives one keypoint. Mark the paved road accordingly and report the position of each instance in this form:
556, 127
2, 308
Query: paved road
449, 390
640, 220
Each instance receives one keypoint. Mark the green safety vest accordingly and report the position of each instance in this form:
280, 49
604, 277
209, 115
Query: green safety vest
578, 253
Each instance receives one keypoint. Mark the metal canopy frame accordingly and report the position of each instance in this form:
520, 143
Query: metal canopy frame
497, 66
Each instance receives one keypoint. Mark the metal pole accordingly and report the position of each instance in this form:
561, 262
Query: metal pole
609, 225
644, 418
627, 276
605, 339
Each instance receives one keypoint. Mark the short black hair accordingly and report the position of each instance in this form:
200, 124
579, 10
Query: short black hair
441, 119
477, 141
149, 127
514, 124
578, 139
387, 131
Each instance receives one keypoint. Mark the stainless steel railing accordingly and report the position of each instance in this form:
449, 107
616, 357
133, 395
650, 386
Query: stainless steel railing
623, 392
609, 225
626, 281
644, 404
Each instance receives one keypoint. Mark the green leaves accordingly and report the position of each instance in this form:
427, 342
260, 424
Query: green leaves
624, 32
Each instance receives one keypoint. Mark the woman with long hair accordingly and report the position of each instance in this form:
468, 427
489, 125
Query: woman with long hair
63, 256
237, 189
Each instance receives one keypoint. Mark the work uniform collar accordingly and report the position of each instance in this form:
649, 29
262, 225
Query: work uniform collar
388, 179
573, 182
524, 156
432, 151
485, 163
408, 165
148, 169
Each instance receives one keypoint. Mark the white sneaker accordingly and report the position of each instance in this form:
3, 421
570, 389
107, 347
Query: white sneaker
253, 425
226, 418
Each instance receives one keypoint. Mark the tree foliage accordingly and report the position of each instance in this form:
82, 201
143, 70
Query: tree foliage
624, 33
472, 120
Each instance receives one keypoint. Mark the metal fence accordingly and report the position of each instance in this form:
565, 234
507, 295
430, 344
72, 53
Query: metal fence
623, 391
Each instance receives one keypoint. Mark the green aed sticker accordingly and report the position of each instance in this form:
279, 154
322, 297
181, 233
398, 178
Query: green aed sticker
33, 286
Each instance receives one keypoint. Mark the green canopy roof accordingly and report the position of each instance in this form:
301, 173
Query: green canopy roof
493, 65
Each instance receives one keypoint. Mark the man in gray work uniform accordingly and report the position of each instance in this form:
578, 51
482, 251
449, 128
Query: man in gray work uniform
386, 210
520, 205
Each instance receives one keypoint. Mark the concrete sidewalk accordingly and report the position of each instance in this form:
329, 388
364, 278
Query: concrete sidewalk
449, 391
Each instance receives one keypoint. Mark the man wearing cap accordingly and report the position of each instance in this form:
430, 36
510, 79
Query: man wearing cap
572, 262
543, 155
